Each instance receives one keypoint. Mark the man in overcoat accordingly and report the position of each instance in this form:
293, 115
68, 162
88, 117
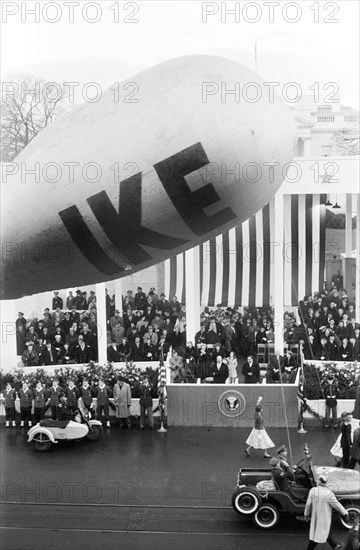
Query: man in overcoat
122, 400
320, 503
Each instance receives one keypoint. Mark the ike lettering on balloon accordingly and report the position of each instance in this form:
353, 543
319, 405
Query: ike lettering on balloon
124, 229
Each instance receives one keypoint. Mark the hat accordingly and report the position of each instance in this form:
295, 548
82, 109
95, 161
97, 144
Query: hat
162, 294
281, 449
323, 478
273, 461
78, 292
139, 288
20, 313
152, 288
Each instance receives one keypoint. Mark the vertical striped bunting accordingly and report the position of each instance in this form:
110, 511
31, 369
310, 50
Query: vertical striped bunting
287, 267
292, 249
309, 244
322, 241
267, 252
237, 267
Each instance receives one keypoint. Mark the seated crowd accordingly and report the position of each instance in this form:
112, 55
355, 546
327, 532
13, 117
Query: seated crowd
150, 325
328, 330
60, 337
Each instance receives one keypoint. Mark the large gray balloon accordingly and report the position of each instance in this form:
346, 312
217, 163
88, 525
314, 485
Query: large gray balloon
128, 181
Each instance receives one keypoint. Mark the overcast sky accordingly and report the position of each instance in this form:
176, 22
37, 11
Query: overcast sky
106, 51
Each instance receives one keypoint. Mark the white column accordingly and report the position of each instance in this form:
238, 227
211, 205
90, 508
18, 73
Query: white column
118, 295
101, 322
348, 226
192, 282
9, 311
307, 147
357, 270
278, 301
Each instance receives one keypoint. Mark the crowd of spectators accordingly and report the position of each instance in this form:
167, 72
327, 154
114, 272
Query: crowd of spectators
328, 330
150, 325
60, 336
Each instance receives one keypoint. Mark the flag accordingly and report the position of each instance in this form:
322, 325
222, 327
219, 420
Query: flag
237, 267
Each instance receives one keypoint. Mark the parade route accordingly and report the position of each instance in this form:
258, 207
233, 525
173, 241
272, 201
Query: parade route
91, 526
140, 490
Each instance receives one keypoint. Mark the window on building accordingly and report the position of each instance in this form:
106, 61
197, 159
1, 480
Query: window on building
325, 150
326, 119
351, 118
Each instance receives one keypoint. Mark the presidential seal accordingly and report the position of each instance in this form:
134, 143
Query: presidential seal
232, 403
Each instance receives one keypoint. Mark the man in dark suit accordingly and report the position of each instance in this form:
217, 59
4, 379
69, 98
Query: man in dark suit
345, 351
355, 449
56, 392
112, 353
333, 348
331, 394
162, 348
83, 352
251, 371
345, 441
356, 345
145, 403
49, 355
137, 353
276, 362
140, 301
322, 353
57, 301
221, 371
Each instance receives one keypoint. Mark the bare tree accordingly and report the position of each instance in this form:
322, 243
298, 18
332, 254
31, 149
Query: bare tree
347, 141
28, 105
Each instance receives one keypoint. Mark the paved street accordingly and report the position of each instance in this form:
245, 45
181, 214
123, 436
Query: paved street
140, 490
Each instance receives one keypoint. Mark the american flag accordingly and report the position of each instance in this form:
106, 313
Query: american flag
237, 268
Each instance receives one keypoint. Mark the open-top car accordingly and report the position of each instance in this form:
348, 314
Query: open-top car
258, 496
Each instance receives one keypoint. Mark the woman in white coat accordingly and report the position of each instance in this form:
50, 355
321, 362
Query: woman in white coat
122, 400
320, 503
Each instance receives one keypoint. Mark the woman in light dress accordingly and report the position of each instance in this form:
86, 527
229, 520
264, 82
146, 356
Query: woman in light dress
258, 438
232, 364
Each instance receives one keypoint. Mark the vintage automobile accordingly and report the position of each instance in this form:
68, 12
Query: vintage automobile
48, 431
258, 497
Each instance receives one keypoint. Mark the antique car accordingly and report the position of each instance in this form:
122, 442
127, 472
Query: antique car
258, 496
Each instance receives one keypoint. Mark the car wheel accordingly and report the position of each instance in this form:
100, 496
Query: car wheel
353, 510
246, 500
41, 442
94, 433
266, 517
